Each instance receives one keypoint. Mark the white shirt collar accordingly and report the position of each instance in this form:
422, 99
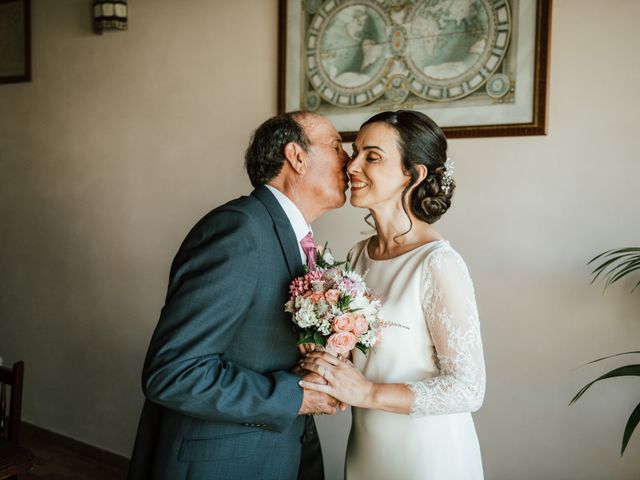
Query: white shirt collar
299, 224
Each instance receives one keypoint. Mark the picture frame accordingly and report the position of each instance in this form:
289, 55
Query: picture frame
479, 68
15, 41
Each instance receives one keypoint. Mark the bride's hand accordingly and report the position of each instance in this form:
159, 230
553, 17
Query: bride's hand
305, 348
344, 380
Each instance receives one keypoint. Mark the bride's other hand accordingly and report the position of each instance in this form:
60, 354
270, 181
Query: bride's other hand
344, 380
305, 348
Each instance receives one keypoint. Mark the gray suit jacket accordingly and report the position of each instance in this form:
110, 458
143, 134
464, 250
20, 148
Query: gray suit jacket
221, 401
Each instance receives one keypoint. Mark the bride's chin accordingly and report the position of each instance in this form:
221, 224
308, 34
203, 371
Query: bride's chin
356, 202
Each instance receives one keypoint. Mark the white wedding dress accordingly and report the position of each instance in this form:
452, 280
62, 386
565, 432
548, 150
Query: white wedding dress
438, 354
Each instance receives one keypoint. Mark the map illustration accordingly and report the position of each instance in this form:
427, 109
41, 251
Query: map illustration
396, 52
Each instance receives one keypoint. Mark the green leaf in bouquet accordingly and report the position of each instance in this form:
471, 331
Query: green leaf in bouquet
362, 348
344, 301
319, 339
305, 336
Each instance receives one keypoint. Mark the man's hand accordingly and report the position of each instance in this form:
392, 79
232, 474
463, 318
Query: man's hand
317, 402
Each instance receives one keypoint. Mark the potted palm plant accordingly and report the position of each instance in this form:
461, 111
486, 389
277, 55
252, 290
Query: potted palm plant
614, 265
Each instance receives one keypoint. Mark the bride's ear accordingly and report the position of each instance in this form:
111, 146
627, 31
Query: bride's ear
296, 157
422, 173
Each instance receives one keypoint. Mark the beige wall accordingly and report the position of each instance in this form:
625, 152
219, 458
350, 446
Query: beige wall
123, 141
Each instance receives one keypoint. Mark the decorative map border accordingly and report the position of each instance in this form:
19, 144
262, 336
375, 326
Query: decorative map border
527, 55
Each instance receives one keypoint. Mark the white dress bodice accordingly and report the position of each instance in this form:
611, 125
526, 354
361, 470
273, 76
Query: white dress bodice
437, 351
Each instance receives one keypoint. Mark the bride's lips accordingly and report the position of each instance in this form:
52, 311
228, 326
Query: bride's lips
357, 184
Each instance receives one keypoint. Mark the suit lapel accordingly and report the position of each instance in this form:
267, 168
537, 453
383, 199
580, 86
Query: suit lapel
283, 227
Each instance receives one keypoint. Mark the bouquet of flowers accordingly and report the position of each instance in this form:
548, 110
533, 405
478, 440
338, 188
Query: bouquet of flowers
333, 307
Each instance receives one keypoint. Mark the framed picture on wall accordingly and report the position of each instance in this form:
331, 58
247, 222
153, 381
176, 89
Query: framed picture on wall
479, 68
15, 41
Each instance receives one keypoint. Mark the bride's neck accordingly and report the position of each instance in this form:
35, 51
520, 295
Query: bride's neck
398, 232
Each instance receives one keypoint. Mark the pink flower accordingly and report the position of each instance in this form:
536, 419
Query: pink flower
332, 296
313, 275
296, 287
316, 297
360, 325
342, 342
344, 323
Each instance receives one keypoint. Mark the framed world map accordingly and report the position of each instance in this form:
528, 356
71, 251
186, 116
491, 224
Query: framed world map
477, 67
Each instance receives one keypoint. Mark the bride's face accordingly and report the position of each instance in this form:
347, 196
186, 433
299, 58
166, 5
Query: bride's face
375, 168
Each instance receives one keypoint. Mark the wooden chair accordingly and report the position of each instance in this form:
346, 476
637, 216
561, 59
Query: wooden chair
13, 458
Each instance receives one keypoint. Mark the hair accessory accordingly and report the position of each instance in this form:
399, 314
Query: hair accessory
447, 176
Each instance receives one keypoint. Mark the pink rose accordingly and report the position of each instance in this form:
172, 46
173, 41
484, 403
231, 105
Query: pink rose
360, 325
344, 323
342, 342
316, 297
332, 296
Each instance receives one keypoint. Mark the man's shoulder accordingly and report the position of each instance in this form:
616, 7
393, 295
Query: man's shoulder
242, 210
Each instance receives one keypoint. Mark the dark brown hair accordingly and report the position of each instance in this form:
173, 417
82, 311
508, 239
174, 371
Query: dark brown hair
264, 157
421, 142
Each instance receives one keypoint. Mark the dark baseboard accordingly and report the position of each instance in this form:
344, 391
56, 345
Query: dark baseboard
99, 455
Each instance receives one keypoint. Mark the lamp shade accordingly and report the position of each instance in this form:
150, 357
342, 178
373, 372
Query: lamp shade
109, 15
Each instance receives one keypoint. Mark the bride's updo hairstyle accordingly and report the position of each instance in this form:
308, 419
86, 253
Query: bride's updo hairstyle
421, 142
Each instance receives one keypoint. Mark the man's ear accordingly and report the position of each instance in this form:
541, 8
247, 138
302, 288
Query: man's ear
296, 157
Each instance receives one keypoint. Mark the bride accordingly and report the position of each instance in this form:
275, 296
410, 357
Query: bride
413, 395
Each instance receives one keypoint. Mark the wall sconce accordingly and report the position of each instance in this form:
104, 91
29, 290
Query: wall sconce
109, 15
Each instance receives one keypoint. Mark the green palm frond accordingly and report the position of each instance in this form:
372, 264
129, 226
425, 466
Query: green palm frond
616, 264
632, 423
613, 265
611, 356
626, 371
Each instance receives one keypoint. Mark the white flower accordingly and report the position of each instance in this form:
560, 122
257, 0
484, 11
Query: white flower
325, 326
354, 276
364, 306
328, 258
288, 307
369, 339
305, 317
323, 308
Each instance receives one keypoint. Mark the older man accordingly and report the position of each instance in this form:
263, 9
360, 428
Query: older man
222, 401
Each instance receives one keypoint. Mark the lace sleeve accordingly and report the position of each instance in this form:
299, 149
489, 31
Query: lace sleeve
451, 314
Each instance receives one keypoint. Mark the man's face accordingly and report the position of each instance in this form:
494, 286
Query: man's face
326, 176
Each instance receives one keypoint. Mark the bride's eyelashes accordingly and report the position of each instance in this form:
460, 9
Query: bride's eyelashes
369, 159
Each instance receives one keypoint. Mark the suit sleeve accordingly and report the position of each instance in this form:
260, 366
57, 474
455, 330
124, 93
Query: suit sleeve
212, 283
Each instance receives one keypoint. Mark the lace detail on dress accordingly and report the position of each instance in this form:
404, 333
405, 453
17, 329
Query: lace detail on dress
449, 306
